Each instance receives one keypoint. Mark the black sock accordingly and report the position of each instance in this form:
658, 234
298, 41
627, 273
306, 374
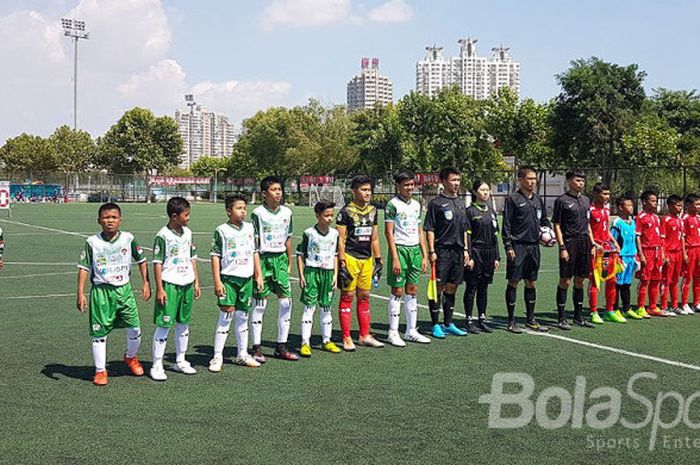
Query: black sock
510, 301
530, 295
434, 308
448, 307
624, 291
468, 300
561, 303
482, 298
578, 303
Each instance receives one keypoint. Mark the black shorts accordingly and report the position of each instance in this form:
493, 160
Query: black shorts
526, 264
484, 266
449, 267
579, 264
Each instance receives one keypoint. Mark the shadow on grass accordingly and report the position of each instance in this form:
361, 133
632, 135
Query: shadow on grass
57, 371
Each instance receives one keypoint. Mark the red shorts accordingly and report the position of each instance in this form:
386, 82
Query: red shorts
672, 269
692, 268
651, 270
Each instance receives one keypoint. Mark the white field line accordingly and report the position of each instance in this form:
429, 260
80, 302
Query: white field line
36, 275
42, 263
554, 336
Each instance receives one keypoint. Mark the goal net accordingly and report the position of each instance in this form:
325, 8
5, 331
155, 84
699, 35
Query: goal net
326, 194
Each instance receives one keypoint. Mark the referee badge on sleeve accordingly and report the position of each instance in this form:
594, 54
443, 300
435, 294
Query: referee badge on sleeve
448, 215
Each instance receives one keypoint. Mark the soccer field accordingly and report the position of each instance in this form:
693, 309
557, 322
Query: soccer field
418, 404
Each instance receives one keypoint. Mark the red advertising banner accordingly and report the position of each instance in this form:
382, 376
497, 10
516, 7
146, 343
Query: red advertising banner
176, 181
307, 181
427, 178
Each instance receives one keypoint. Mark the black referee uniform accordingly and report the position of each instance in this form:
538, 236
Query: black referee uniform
446, 218
482, 234
522, 219
571, 213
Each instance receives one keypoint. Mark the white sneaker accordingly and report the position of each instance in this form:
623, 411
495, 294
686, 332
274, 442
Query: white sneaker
667, 312
695, 309
415, 336
395, 340
216, 363
247, 361
370, 341
158, 373
184, 367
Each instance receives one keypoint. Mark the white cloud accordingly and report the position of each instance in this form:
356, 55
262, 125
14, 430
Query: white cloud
299, 13
393, 11
240, 99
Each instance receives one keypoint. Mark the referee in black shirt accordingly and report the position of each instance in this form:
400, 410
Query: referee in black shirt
523, 215
446, 236
570, 217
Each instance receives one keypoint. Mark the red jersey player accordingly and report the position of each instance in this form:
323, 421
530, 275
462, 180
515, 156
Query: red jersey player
599, 220
674, 246
651, 257
691, 268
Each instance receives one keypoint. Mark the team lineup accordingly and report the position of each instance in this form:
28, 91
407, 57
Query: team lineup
251, 263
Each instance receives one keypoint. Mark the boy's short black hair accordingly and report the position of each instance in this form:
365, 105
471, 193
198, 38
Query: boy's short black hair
673, 199
321, 207
524, 170
231, 199
108, 206
622, 199
574, 173
360, 180
691, 198
269, 181
478, 183
600, 187
177, 205
446, 172
404, 175
646, 194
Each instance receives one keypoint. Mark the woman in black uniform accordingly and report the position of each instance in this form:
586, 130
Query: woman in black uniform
484, 257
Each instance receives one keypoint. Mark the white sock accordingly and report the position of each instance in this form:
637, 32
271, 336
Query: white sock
307, 322
394, 312
133, 341
284, 317
242, 333
160, 339
99, 352
411, 302
221, 334
182, 333
326, 324
257, 319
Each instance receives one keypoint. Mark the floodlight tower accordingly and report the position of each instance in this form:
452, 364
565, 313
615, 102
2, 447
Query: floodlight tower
189, 98
75, 29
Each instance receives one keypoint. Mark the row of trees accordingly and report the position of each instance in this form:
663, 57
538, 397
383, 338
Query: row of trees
601, 119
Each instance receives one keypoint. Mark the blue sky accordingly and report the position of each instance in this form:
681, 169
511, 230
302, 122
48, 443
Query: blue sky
240, 56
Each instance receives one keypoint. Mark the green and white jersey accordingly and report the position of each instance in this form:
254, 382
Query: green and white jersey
236, 247
319, 250
406, 219
272, 228
109, 262
175, 252
2, 243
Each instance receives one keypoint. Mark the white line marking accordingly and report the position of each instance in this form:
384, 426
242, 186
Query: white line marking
38, 296
42, 264
36, 275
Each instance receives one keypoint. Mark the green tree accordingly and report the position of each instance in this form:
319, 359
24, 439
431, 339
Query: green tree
28, 155
74, 150
379, 139
681, 109
139, 142
205, 166
598, 104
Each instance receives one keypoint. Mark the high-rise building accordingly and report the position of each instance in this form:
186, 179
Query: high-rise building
212, 134
479, 77
369, 88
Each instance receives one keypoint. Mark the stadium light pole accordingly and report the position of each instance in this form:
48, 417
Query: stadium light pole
75, 29
189, 98
216, 181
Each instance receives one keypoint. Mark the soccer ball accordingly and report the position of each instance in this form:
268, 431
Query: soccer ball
547, 236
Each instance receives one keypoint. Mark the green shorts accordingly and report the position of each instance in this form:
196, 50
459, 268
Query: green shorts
112, 307
275, 275
177, 308
319, 287
239, 293
410, 259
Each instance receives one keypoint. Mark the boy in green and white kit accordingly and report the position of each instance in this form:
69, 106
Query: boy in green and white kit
317, 262
106, 259
234, 263
177, 286
407, 258
273, 233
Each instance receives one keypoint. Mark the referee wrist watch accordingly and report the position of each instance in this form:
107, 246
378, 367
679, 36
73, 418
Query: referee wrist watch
562, 247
